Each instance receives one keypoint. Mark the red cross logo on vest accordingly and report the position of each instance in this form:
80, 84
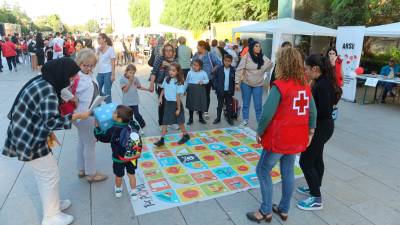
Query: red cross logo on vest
301, 103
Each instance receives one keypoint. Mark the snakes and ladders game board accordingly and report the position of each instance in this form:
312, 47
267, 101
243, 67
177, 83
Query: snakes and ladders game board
213, 163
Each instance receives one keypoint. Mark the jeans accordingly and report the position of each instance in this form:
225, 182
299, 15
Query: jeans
86, 149
104, 80
137, 116
227, 99
10, 60
247, 92
267, 161
386, 88
47, 177
312, 161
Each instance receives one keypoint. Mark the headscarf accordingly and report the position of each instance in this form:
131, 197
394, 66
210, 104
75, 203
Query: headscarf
58, 71
259, 59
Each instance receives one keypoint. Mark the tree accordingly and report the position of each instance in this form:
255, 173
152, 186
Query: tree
108, 29
139, 11
17, 16
50, 23
92, 26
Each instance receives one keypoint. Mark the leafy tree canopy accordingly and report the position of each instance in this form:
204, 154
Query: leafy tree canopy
139, 11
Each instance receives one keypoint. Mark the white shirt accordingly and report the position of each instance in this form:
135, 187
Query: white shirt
84, 92
105, 58
59, 42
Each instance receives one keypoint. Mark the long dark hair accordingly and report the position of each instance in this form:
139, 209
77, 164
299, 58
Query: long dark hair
39, 40
330, 49
108, 40
258, 59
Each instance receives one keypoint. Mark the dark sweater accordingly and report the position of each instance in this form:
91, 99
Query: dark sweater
324, 97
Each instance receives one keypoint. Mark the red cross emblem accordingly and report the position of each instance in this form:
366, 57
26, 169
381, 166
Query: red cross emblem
301, 103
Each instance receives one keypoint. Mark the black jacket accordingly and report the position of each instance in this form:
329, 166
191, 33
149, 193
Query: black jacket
219, 80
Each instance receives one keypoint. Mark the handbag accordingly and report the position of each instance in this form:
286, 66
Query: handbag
69, 107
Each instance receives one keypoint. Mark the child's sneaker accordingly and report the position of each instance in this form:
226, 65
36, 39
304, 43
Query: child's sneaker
206, 116
311, 203
141, 132
184, 139
118, 192
160, 142
303, 190
134, 194
243, 124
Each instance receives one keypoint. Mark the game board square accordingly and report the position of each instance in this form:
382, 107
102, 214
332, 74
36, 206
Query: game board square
162, 153
194, 141
153, 174
208, 140
247, 140
214, 188
242, 150
159, 185
182, 179
225, 153
252, 179
240, 135
242, 168
211, 159
233, 143
234, 160
225, 138
236, 183
188, 158
217, 146
168, 196
217, 132
200, 148
174, 170
169, 161
145, 156
255, 146
188, 194
203, 176
196, 165
148, 164
172, 138
233, 131
251, 156
194, 135
171, 145
182, 151
224, 172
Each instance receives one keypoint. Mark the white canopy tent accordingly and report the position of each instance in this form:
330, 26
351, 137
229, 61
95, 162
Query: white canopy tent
158, 29
278, 27
387, 30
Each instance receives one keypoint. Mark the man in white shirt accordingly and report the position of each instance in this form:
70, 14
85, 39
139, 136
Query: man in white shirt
57, 43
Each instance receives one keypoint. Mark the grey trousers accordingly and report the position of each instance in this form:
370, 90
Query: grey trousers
85, 151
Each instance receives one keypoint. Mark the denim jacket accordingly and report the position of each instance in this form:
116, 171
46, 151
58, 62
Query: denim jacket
209, 60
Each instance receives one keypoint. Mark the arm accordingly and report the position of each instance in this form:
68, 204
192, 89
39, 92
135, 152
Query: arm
205, 78
268, 64
103, 136
126, 86
215, 61
239, 72
312, 123
269, 110
154, 72
178, 104
323, 100
160, 99
113, 69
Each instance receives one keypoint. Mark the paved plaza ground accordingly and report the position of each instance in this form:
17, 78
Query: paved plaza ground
361, 184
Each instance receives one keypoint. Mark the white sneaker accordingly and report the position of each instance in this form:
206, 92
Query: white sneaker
134, 194
141, 132
243, 124
65, 204
206, 116
59, 219
118, 192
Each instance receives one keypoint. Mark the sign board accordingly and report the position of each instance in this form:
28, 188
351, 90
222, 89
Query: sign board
371, 82
349, 43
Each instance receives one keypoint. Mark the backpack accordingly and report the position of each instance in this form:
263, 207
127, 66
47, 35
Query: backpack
32, 47
152, 58
235, 109
130, 143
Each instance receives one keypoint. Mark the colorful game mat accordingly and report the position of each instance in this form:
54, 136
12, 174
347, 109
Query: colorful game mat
213, 163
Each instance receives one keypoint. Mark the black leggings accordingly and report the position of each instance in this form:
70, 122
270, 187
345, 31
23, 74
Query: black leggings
160, 107
10, 60
191, 115
208, 91
311, 161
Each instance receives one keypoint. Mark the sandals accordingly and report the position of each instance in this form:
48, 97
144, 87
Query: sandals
283, 216
251, 216
97, 177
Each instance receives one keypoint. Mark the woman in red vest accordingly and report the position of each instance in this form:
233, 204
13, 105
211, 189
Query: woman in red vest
336, 63
285, 129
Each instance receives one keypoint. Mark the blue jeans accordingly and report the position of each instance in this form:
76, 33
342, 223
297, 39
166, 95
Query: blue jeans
267, 161
247, 92
104, 80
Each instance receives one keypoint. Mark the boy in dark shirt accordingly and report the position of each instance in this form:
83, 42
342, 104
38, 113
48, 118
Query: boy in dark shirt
123, 117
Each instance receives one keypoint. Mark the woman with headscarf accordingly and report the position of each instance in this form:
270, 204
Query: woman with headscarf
250, 79
33, 117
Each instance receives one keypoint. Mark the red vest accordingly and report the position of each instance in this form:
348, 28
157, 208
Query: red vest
287, 133
338, 72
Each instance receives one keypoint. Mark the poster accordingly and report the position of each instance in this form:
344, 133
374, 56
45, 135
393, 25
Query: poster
213, 163
349, 44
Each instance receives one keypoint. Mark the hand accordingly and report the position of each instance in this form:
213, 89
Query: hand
310, 136
96, 123
75, 100
112, 77
151, 88
201, 82
258, 139
237, 87
81, 116
160, 101
177, 112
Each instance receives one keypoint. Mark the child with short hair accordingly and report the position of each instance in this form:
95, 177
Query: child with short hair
196, 99
130, 97
173, 88
122, 117
224, 86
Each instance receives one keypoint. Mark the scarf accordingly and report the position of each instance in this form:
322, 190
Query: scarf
259, 60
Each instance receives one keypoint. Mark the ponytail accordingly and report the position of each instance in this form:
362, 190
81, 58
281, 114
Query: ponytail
108, 40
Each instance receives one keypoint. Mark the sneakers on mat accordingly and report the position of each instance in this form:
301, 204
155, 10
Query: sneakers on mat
65, 204
118, 191
134, 194
184, 139
303, 190
311, 203
59, 219
244, 124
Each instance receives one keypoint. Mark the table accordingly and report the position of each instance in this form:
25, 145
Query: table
381, 79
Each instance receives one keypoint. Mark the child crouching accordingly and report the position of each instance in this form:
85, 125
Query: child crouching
123, 124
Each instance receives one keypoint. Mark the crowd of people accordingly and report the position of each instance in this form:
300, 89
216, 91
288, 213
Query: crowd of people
295, 118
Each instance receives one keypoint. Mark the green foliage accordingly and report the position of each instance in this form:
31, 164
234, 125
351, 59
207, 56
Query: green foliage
17, 16
91, 26
50, 23
139, 11
196, 15
108, 29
